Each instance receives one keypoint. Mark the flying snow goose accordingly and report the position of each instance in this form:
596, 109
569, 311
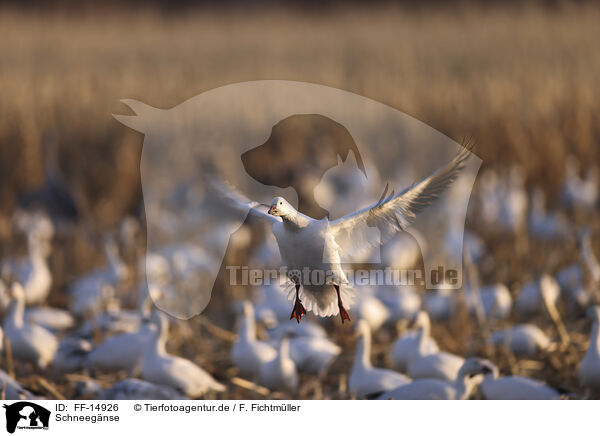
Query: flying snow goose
494, 387
522, 339
407, 345
157, 366
306, 244
434, 389
589, 369
28, 342
280, 373
248, 354
365, 380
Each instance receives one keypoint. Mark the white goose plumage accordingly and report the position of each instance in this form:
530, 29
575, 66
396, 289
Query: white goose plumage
494, 387
248, 354
157, 366
280, 373
28, 342
409, 344
434, 389
306, 244
365, 380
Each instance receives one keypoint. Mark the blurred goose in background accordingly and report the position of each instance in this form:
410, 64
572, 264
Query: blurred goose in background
589, 369
134, 389
530, 300
503, 200
71, 355
426, 364
272, 303
401, 302
33, 272
28, 342
494, 387
313, 354
434, 389
157, 366
368, 308
440, 304
280, 373
542, 224
522, 340
248, 354
578, 192
91, 292
51, 318
571, 282
122, 351
364, 379
12, 390
116, 320
407, 345
306, 329
496, 300
403, 251
588, 257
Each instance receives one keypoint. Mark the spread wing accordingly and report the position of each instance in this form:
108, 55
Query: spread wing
394, 212
230, 200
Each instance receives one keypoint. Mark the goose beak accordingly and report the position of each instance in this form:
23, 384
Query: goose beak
271, 210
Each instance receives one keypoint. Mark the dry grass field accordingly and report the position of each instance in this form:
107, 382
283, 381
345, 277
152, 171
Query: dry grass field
522, 81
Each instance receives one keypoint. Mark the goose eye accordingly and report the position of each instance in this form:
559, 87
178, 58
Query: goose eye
281, 202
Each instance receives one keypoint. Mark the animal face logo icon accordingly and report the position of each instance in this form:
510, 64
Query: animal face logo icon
210, 164
26, 415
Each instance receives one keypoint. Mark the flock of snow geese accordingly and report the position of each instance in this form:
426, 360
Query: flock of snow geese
269, 352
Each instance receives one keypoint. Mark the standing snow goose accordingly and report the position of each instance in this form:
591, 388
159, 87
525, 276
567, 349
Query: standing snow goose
494, 387
309, 245
28, 342
51, 318
176, 372
122, 351
365, 380
407, 345
434, 389
369, 308
522, 339
589, 369
440, 364
92, 291
33, 273
578, 192
248, 354
280, 373
544, 225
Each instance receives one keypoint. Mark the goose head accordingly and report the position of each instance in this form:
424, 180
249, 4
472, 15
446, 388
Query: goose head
280, 207
475, 366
